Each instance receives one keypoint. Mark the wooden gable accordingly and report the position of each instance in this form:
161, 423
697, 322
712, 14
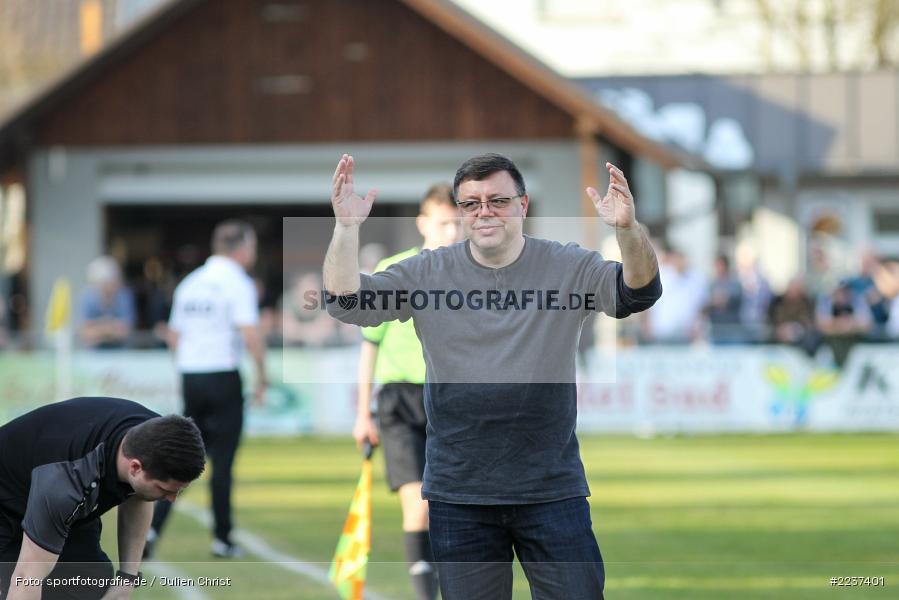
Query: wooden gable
258, 71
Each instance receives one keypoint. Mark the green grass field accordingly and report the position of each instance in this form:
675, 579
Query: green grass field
701, 518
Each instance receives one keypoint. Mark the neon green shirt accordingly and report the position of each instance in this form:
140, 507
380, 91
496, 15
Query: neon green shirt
399, 351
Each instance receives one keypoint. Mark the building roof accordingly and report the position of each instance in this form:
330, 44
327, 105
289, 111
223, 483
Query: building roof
542, 79
784, 124
17, 131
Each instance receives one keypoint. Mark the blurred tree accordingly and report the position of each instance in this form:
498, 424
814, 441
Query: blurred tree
883, 31
41, 39
807, 26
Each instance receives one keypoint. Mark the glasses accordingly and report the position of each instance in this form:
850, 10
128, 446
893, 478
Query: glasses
470, 207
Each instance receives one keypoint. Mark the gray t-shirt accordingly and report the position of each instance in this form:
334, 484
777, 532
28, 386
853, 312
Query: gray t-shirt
500, 347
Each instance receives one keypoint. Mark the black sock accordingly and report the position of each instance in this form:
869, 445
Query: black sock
421, 564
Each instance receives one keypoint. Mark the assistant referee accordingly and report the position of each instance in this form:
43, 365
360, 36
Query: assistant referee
215, 312
391, 355
65, 464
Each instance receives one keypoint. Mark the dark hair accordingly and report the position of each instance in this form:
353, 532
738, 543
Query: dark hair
439, 194
230, 235
485, 165
169, 448
722, 258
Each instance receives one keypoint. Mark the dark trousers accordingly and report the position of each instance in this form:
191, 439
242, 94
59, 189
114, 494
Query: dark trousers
474, 547
81, 556
215, 402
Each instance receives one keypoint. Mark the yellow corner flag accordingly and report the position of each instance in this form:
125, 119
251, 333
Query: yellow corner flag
59, 310
351, 558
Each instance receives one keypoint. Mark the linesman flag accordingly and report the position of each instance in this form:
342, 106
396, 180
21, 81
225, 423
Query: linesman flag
59, 329
351, 558
59, 310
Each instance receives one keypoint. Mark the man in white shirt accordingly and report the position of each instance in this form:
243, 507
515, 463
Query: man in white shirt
215, 313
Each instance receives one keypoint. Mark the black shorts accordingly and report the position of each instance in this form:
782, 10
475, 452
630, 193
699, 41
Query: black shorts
401, 423
215, 402
81, 556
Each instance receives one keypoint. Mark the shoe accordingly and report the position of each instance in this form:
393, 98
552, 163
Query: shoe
150, 544
222, 549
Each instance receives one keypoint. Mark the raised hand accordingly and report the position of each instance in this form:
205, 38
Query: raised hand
349, 207
616, 208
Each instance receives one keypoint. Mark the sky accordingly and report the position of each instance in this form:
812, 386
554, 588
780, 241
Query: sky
630, 37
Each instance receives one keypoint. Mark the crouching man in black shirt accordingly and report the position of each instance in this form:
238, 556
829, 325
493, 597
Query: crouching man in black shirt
65, 464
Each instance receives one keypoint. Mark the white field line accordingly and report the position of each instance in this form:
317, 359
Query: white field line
259, 547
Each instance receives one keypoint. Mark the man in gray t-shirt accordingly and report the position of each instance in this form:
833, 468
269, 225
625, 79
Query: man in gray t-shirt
499, 316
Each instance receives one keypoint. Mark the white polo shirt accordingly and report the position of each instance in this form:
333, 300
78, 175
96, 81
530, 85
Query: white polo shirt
209, 306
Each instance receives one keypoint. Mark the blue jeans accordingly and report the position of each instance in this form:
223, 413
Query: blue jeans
474, 544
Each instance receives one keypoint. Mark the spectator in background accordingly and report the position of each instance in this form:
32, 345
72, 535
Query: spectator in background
873, 287
791, 317
268, 313
724, 304
106, 313
303, 321
370, 255
887, 280
676, 316
892, 326
159, 286
843, 320
756, 296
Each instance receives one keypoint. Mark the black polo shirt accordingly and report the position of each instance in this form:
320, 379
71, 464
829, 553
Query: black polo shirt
58, 466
